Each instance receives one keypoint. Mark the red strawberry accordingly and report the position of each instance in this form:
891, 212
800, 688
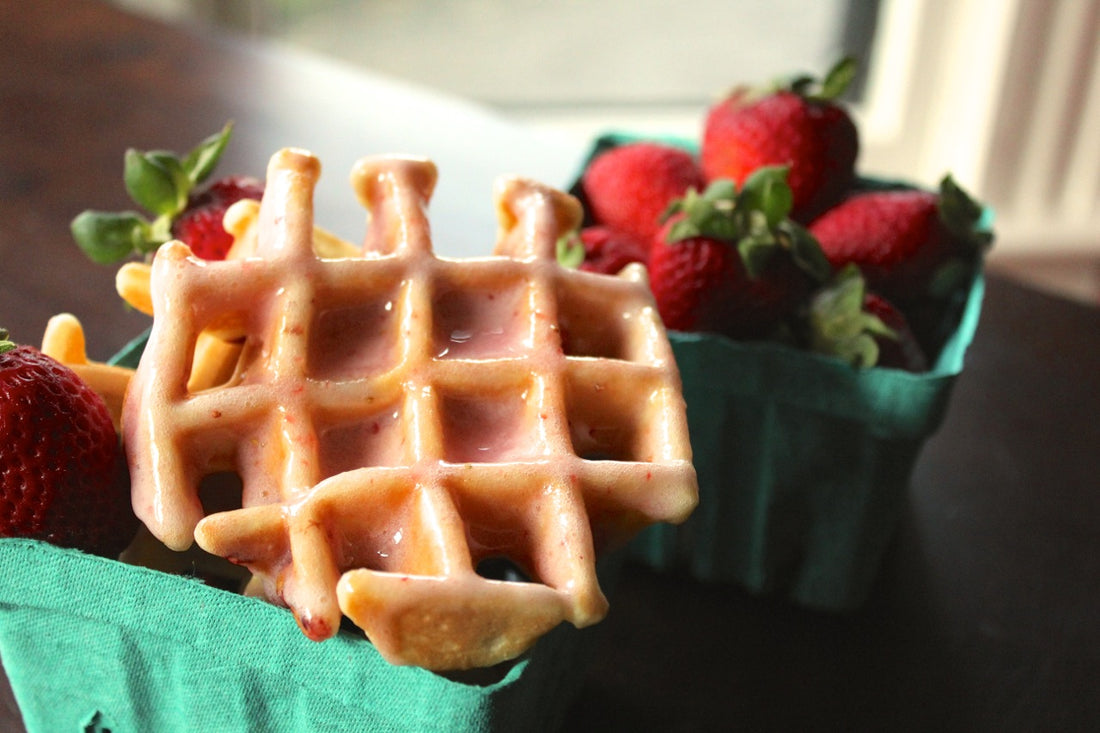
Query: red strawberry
795, 125
902, 351
630, 186
730, 262
63, 478
900, 239
701, 284
200, 224
608, 250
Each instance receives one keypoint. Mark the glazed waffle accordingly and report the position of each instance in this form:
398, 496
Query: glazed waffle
401, 422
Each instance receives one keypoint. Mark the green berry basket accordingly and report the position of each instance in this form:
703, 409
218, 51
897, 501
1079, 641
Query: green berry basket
92, 644
803, 464
803, 461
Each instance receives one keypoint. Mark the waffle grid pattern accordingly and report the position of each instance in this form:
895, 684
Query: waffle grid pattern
399, 418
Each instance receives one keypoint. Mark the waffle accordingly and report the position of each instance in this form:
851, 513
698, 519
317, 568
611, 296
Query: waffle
64, 341
405, 425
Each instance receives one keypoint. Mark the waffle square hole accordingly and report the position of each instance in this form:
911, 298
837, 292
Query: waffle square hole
588, 328
219, 346
492, 428
354, 340
375, 440
472, 322
607, 422
379, 530
498, 527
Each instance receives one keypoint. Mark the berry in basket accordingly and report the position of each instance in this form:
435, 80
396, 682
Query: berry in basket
63, 478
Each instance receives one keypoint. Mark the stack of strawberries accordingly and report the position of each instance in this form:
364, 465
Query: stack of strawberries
769, 234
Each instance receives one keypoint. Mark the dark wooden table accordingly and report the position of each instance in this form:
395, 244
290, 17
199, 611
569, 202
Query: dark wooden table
985, 614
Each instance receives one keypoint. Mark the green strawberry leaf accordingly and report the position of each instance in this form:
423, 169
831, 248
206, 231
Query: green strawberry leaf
716, 223
805, 250
699, 216
156, 181
860, 351
201, 161
766, 190
720, 193
680, 230
755, 250
703, 214
570, 250
965, 217
838, 79
800, 84
107, 236
754, 220
838, 324
831, 88
181, 182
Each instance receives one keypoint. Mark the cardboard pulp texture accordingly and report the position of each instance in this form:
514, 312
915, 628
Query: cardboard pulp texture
93, 644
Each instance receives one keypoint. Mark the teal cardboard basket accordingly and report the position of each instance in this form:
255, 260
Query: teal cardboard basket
803, 464
803, 461
92, 644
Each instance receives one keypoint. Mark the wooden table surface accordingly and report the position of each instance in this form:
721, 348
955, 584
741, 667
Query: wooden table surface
985, 614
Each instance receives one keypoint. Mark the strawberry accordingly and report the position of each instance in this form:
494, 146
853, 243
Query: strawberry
63, 478
166, 185
861, 327
798, 124
903, 351
200, 224
701, 284
730, 262
903, 239
601, 249
629, 187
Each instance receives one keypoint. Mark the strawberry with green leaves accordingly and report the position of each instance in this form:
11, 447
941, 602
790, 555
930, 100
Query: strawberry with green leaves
63, 478
730, 261
797, 123
168, 187
847, 321
910, 244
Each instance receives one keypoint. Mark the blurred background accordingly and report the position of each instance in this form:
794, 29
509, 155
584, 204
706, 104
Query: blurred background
1004, 94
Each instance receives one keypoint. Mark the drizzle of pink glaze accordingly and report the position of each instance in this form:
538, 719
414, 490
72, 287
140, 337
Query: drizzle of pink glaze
346, 341
478, 324
484, 431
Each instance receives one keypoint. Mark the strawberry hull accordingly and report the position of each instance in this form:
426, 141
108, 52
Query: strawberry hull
803, 461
